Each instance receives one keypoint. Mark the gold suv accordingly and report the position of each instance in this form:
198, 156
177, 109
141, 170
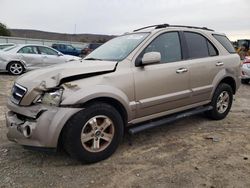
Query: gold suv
140, 80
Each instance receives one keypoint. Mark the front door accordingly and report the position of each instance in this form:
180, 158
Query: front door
50, 56
163, 86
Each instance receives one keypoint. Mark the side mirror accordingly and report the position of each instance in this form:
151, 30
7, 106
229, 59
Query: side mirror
60, 54
151, 57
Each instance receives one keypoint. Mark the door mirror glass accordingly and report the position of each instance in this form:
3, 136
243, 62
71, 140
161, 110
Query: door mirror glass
151, 57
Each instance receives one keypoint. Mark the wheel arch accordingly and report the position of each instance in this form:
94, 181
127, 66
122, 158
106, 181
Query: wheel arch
17, 61
230, 81
113, 102
108, 100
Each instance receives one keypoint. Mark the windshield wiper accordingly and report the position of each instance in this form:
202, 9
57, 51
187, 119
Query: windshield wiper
92, 58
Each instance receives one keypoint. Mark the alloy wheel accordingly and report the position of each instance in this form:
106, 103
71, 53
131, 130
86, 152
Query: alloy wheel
16, 68
223, 102
97, 133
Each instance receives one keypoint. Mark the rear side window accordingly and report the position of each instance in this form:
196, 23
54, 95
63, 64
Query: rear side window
225, 42
199, 46
211, 49
47, 51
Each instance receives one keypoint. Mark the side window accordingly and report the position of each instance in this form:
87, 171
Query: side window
69, 47
47, 51
197, 45
211, 49
28, 50
168, 44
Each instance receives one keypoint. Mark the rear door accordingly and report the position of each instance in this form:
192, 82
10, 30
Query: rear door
163, 86
30, 55
204, 65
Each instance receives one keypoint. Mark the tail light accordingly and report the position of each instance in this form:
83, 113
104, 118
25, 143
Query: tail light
246, 61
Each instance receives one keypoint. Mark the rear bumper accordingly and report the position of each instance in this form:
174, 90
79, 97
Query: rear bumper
36, 126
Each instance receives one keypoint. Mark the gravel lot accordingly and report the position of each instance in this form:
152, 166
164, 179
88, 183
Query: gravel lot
194, 152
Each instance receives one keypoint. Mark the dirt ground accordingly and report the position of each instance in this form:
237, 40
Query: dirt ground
193, 152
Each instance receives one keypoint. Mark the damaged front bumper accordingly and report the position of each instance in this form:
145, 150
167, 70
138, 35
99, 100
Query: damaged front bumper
37, 125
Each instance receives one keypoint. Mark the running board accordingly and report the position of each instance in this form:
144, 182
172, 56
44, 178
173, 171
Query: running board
168, 119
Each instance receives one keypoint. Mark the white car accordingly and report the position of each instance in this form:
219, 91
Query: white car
245, 71
20, 58
6, 45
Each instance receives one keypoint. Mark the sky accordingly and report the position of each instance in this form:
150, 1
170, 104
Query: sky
115, 17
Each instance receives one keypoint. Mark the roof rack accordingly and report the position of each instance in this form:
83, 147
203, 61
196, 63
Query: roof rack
159, 26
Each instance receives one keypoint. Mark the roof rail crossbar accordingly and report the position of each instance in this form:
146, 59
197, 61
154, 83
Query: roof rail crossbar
159, 26
155, 26
192, 27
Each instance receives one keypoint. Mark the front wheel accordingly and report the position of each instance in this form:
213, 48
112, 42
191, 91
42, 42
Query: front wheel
221, 102
94, 133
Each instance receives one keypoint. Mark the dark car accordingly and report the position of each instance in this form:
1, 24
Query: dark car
67, 49
89, 48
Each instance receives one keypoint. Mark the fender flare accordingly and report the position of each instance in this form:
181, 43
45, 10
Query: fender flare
219, 77
100, 91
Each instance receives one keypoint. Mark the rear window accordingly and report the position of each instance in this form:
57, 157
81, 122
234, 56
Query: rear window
225, 42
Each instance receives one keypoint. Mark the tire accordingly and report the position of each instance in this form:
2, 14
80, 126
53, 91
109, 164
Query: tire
220, 109
15, 68
245, 81
86, 129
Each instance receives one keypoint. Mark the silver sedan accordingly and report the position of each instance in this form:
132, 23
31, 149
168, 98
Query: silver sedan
20, 58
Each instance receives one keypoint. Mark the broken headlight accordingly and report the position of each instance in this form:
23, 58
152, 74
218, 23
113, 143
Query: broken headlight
52, 98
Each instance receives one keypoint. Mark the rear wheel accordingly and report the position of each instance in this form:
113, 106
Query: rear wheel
221, 102
15, 68
94, 133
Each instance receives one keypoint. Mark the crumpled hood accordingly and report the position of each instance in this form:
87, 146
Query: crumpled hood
55, 75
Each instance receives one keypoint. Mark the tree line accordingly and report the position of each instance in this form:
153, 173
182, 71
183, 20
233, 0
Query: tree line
4, 31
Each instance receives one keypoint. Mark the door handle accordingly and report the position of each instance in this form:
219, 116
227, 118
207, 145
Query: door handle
181, 70
219, 64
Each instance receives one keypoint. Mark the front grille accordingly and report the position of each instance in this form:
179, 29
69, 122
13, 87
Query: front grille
17, 93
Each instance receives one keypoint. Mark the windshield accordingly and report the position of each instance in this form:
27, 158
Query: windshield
118, 48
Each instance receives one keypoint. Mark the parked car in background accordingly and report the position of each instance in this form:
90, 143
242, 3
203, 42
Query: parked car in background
245, 71
19, 58
67, 49
6, 45
89, 48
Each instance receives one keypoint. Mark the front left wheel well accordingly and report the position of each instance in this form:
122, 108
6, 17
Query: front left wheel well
113, 102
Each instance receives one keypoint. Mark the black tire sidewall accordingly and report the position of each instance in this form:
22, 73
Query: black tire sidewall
214, 114
8, 68
72, 136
